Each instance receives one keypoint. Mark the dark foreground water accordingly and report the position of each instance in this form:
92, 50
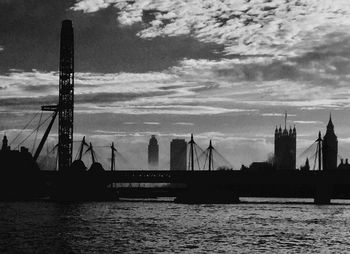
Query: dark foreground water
164, 227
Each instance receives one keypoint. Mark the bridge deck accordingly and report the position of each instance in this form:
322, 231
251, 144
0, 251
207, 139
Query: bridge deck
243, 183
222, 177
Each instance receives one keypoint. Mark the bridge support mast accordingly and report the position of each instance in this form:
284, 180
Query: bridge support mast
66, 96
210, 148
319, 150
191, 152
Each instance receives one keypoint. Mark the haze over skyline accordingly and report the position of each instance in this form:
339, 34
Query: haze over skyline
223, 71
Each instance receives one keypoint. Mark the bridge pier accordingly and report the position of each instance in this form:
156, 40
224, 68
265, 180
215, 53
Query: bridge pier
322, 195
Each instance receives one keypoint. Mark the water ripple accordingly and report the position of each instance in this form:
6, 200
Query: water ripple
141, 227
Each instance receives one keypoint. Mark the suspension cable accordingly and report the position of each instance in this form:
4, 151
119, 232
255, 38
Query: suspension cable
48, 153
206, 158
307, 149
223, 158
13, 140
36, 134
315, 160
195, 150
35, 129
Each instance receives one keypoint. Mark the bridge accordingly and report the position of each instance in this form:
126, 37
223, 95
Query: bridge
322, 186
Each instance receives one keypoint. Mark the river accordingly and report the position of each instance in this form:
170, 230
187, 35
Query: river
259, 226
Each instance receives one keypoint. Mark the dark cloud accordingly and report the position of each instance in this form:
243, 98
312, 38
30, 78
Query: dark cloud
94, 98
323, 65
35, 88
28, 102
113, 97
333, 57
170, 87
262, 72
206, 86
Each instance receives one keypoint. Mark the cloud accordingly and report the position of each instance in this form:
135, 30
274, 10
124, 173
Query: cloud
92, 5
184, 123
23, 84
314, 79
258, 27
277, 114
271, 82
161, 110
193, 87
151, 123
311, 81
123, 93
345, 140
308, 122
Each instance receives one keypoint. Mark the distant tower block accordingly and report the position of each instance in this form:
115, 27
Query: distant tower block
178, 154
153, 153
66, 96
330, 148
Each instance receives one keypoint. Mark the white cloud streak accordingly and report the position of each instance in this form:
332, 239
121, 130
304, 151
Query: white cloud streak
308, 122
183, 123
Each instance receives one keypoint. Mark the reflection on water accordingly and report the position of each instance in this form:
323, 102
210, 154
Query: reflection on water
155, 227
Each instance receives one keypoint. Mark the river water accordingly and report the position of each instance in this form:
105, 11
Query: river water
165, 227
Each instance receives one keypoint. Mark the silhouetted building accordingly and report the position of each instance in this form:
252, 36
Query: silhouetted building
153, 152
178, 154
285, 148
260, 166
330, 147
344, 166
19, 175
5, 146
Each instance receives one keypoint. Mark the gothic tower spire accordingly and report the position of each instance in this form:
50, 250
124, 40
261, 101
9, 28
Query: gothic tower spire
330, 147
330, 126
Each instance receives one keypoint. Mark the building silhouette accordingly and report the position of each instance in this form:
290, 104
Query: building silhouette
178, 154
285, 147
344, 166
5, 146
153, 152
330, 147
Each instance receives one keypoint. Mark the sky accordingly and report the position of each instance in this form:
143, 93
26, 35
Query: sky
222, 70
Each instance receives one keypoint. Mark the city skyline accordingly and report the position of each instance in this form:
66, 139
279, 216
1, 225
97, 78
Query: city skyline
143, 69
171, 126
